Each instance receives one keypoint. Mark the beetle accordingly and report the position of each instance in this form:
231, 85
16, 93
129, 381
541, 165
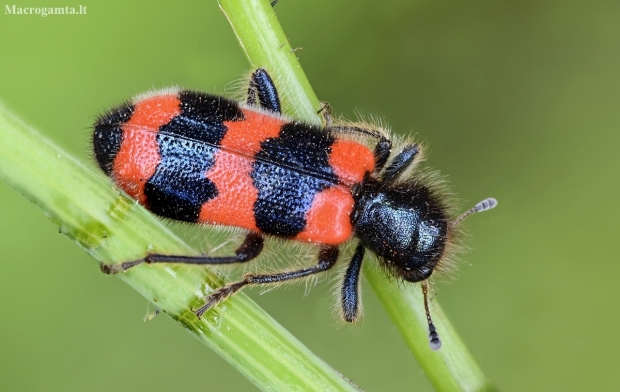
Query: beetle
201, 158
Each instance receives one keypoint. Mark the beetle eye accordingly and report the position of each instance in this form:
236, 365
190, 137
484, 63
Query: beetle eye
417, 275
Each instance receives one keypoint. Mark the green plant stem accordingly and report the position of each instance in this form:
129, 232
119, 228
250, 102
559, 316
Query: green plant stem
112, 228
450, 369
266, 46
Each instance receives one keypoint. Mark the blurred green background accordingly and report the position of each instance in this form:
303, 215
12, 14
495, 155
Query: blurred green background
517, 100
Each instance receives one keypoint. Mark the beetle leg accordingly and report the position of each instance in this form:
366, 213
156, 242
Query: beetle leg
401, 162
249, 249
262, 92
350, 292
327, 259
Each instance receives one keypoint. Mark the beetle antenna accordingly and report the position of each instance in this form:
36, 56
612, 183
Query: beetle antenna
433, 336
484, 205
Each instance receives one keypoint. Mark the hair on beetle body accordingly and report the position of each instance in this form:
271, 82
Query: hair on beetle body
201, 158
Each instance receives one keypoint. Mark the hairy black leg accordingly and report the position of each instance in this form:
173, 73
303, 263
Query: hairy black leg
382, 152
327, 259
401, 162
249, 249
262, 92
350, 287
383, 148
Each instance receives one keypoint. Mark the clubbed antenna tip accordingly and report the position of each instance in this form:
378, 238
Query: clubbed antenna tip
433, 336
484, 205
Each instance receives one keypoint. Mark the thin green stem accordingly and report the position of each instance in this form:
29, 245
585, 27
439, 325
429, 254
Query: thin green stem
450, 369
112, 228
266, 46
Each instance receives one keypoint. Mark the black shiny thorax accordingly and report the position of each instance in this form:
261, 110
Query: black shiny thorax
404, 224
